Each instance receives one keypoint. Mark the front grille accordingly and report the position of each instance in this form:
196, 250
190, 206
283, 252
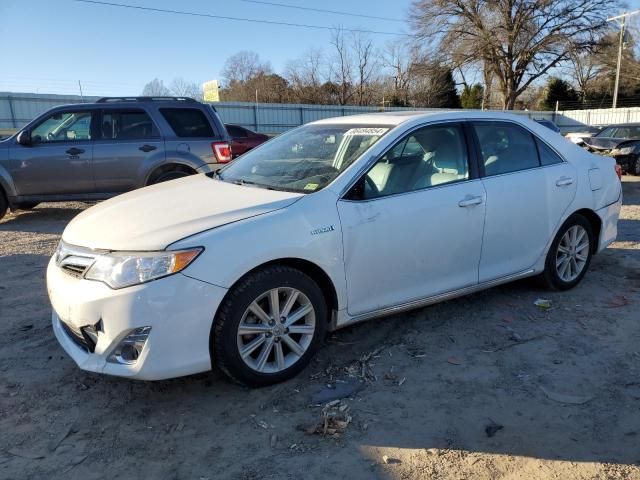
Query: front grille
74, 260
78, 337
74, 270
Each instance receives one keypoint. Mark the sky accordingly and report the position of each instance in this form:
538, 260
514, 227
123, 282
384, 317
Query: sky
48, 45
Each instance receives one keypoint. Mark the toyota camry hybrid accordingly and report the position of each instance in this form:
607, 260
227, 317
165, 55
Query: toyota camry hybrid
335, 222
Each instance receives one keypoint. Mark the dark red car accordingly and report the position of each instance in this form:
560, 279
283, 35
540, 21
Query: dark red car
243, 139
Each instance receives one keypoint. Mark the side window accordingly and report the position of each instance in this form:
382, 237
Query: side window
547, 155
427, 157
505, 147
63, 127
187, 122
127, 124
236, 132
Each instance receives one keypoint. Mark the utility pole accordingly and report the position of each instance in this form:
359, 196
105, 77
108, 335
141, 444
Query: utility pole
80, 86
620, 20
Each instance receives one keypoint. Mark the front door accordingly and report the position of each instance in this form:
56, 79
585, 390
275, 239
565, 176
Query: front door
128, 146
412, 226
58, 160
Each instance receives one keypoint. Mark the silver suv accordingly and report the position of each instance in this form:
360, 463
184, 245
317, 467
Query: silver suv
95, 151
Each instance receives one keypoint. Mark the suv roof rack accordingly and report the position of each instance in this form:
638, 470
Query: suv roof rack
146, 99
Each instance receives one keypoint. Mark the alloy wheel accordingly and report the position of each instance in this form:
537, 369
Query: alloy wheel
573, 253
276, 330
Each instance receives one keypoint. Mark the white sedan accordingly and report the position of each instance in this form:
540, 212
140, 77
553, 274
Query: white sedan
332, 223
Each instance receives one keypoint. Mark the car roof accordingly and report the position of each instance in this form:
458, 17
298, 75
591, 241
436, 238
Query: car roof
132, 102
399, 117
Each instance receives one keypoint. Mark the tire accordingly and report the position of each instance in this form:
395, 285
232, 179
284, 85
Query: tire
28, 205
170, 175
269, 357
634, 167
4, 205
568, 258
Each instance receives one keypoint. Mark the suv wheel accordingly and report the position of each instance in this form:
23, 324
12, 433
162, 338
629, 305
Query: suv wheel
28, 205
171, 175
570, 254
635, 166
4, 206
269, 326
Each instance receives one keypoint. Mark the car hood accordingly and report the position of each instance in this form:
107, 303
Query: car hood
153, 217
604, 143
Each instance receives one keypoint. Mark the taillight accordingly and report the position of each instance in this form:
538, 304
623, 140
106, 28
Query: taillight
222, 151
618, 171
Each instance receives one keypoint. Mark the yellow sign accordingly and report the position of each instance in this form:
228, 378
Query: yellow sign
210, 91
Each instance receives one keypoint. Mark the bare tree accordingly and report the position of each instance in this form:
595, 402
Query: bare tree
363, 50
342, 71
184, 88
155, 88
306, 76
243, 66
397, 58
518, 41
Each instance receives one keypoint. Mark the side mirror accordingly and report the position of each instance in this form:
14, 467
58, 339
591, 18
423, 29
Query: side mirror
24, 138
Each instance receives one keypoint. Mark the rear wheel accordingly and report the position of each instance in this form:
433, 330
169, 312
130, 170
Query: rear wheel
269, 326
570, 254
28, 205
170, 172
4, 206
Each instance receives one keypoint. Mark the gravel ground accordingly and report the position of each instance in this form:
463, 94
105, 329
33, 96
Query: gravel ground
482, 387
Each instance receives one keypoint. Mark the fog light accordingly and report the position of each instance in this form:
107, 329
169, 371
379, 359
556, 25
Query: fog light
130, 348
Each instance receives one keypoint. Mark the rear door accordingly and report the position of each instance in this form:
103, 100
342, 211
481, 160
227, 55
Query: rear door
192, 136
129, 145
58, 161
525, 198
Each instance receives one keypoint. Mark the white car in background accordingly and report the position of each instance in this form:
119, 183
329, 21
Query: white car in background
332, 223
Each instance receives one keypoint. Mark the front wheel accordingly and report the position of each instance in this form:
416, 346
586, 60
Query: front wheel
570, 254
635, 166
269, 326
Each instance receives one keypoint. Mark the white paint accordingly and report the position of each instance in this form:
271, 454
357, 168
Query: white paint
379, 253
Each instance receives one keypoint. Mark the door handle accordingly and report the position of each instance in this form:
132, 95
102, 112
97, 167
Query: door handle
75, 151
470, 201
564, 181
147, 148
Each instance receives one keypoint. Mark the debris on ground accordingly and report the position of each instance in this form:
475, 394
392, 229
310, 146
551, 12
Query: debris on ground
543, 303
454, 361
362, 367
334, 420
565, 398
492, 429
273, 441
390, 461
336, 391
617, 301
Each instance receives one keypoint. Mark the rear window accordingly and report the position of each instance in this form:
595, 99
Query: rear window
187, 122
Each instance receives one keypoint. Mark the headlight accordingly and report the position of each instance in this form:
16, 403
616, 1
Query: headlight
624, 151
124, 269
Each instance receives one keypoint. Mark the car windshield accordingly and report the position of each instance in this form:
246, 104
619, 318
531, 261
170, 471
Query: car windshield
620, 132
303, 160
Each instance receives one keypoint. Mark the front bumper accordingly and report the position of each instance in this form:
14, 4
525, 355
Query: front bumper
179, 310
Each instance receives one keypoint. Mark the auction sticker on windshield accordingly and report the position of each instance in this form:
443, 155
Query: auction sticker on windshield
366, 131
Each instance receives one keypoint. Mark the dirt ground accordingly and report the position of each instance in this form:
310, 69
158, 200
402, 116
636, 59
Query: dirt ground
483, 387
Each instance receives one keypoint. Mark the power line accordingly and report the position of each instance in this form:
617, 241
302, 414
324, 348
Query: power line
321, 10
237, 19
